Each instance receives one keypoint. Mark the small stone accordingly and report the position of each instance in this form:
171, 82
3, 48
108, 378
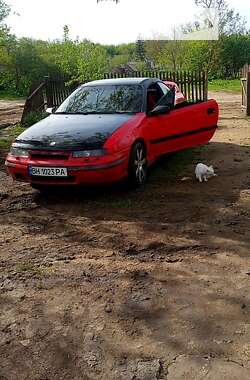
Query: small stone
108, 309
228, 341
25, 343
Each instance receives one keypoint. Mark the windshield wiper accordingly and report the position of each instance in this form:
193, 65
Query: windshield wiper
71, 113
111, 112
79, 113
94, 113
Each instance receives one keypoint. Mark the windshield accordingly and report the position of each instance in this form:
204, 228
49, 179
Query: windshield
103, 99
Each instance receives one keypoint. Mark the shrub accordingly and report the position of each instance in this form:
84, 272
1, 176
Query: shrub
34, 117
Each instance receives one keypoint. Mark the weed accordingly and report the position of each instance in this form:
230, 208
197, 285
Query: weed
27, 267
9, 135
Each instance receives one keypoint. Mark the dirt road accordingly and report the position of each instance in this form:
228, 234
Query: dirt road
117, 285
10, 112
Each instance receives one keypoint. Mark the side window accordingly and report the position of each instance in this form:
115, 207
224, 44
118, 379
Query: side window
154, 94
165, 89
169, 95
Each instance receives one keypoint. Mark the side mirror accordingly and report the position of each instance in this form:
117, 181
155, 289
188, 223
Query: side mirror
50, 110
160, 110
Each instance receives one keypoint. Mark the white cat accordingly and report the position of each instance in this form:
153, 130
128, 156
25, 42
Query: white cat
203, 172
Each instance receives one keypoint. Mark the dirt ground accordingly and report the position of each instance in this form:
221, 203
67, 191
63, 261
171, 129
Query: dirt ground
10, 112
119, 285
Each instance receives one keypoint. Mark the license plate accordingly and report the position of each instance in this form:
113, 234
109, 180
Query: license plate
47, 172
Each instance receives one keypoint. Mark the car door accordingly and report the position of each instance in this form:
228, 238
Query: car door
161, 127
183, 127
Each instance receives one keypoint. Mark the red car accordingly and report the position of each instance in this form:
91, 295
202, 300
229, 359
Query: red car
179, 97
107, 130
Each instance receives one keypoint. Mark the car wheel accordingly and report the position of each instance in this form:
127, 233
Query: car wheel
138, 165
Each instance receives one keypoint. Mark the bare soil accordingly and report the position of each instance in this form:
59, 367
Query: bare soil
10, 112
119, 285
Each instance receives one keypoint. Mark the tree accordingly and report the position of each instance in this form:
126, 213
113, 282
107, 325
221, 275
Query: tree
140, 50
92, 61
66, 33
230, 21
154, 49
4, 10
234, 52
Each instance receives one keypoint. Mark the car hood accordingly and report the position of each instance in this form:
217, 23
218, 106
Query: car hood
71, 131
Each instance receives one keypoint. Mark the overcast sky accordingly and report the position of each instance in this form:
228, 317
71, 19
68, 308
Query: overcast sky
105, 22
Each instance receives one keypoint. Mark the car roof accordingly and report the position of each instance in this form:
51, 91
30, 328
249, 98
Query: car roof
122, 81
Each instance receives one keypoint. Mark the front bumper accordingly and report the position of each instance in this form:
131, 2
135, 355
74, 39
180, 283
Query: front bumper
98, 171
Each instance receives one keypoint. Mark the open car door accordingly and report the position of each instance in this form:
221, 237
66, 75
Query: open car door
159, 126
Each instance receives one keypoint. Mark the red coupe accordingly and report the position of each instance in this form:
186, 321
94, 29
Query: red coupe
107, 130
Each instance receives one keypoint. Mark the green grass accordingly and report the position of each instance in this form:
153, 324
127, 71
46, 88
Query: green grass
6, 140
4, 144
230, 85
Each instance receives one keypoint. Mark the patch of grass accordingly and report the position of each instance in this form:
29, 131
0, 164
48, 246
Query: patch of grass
4, 144
27, 267
9, 95
230, 85
16, 130
12, 133
31, 268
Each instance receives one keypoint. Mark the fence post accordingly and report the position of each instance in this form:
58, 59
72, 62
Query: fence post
205, 84
248, 93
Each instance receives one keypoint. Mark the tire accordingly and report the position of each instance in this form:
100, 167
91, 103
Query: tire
138, 166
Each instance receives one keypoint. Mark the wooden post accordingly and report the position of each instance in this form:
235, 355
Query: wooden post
248, 93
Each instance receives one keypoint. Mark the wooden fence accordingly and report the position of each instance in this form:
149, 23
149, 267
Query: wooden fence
245, 88
245, 69
194, 85
52, 92
35, 102
57, 90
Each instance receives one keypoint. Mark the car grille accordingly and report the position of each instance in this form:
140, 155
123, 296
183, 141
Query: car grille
46, 155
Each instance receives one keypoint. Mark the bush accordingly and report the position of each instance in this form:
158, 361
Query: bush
33, 118
13, 132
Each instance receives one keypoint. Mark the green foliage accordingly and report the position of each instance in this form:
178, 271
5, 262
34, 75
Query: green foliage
140, 50
6, 141
92, 61
234, 53
173, 55
4, 10
232, 85
230, 21
26, 61
33, 117
16, 130
66, 33
9, 95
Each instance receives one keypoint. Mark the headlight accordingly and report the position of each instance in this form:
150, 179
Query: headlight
19, 152
89, 153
